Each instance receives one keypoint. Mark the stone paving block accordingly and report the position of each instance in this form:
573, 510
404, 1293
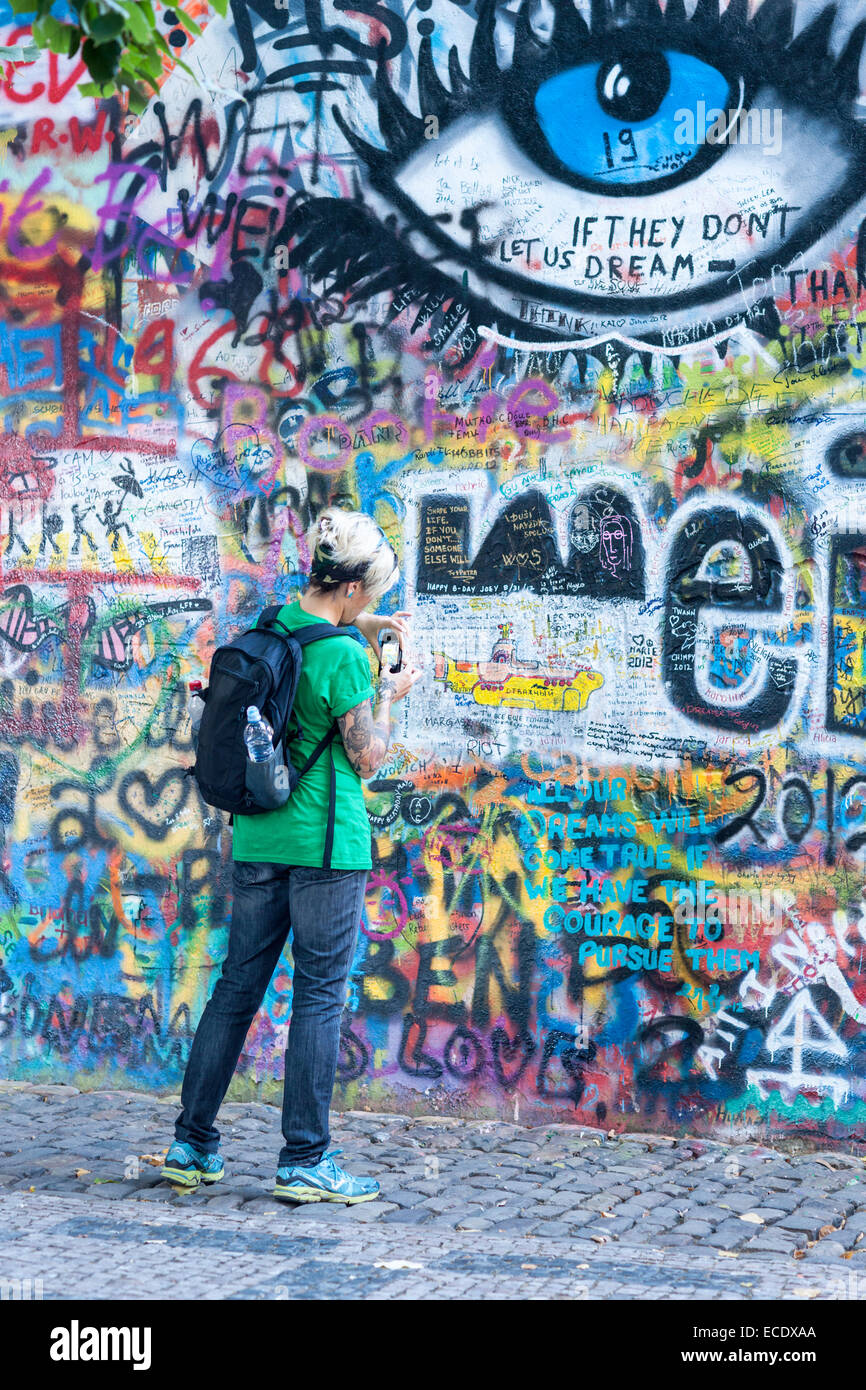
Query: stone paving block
798, 1221
407, 1216
713, 1214
551, 1230
429, 1187
601, 1201
520, 1188
444, 1203
48, 1182
826, 1212
696, 1228
246, 1190
769, 1215
728, 1236
778, 1201
705, 1195
111, 1191
826, 1250
675, 1209
578, 1182
401, 1196
770, 1237
368, 1211
558, 1201
318, 1212
223, 1201
736, 1201
609, 1227
21, 1170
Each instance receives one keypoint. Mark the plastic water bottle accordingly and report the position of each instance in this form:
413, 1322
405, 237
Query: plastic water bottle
258, 736
195, 705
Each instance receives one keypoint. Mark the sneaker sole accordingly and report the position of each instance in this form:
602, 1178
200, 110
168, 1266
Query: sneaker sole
313, 1194
186, 1178
181, 1177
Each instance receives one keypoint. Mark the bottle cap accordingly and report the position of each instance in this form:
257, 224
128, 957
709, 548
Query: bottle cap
253, 714
195, 685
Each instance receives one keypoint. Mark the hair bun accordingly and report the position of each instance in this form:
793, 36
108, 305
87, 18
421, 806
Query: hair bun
327, 537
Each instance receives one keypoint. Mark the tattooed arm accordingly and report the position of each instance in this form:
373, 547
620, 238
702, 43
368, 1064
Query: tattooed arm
366, 729
366, 732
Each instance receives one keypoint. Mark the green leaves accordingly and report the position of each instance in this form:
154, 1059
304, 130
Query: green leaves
190, 23
102, 59
48, 32
140, 27
118, 40
106, 27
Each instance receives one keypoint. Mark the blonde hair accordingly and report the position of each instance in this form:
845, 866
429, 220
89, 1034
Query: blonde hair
350, 547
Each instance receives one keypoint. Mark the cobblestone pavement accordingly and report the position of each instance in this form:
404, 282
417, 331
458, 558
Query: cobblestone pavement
469, 1209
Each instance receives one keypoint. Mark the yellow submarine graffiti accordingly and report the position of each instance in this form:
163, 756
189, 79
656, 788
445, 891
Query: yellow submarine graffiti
508, 681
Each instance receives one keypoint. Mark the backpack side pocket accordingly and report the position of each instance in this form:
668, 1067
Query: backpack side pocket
271, 783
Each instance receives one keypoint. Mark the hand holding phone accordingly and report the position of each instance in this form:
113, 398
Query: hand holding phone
390, 652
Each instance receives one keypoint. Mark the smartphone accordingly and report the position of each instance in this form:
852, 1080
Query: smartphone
391, 653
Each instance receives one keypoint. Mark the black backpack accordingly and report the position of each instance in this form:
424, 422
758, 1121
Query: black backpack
261, 667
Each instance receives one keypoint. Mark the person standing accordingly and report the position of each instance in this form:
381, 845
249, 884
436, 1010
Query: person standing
280, 885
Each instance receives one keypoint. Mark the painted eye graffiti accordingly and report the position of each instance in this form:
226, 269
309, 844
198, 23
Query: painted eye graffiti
628, 130
640, 165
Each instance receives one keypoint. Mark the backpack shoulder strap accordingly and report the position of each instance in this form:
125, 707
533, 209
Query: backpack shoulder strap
314, 633
269, 619
319, 750
269, 616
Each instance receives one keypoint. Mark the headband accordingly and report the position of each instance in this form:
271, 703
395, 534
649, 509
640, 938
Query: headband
328, 572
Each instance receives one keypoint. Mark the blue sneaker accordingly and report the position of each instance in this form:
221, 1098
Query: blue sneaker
188, 1166
324, 1182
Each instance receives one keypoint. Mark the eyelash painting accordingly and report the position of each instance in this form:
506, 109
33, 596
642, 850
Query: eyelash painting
638, 174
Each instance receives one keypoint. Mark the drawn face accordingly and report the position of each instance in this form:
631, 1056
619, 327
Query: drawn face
667, 163
583, 529
615, 544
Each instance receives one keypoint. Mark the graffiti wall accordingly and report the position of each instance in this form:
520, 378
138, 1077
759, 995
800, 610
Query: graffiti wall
572, 299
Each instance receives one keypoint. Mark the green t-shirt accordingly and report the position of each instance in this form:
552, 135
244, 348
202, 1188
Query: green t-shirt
335, 676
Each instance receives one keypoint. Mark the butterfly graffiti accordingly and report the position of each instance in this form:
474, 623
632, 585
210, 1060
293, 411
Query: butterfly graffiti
26, 629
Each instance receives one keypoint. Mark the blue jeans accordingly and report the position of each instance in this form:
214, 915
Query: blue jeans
322, 909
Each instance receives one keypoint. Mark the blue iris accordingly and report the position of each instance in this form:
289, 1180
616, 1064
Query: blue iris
633, 120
